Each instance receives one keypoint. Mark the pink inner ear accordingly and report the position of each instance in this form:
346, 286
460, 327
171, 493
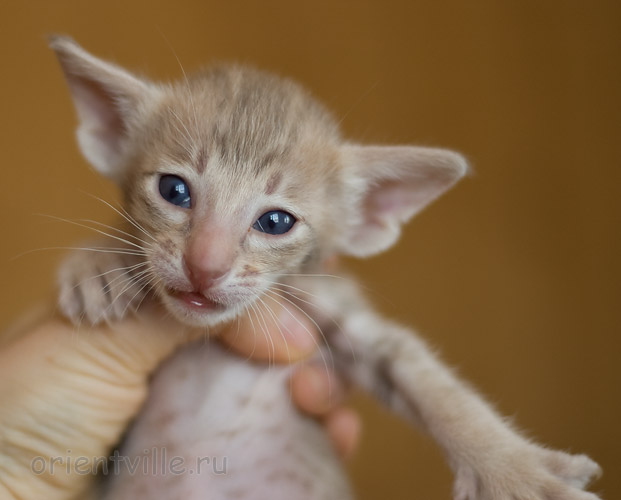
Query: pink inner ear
99, 108
400, 181
105, 96
394, 199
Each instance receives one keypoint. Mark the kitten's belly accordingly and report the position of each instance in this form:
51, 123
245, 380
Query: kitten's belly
218, 427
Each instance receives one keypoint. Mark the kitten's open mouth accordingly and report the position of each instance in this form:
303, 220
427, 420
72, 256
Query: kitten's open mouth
196, 300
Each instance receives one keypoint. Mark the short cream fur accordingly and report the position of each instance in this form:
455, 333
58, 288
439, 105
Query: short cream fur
246, 142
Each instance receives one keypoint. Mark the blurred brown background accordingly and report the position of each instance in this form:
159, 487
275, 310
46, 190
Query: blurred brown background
514, 275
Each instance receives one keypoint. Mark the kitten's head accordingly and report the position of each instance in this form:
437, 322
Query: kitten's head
240, 177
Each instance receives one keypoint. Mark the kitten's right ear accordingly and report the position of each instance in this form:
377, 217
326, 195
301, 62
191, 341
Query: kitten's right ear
393, 183
107, 100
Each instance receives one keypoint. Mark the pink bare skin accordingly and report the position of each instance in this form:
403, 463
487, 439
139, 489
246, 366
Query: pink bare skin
66, 388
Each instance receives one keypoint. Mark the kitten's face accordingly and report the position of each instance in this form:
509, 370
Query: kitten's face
237, 179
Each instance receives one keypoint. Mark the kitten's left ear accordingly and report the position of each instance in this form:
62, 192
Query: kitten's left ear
393, 183
109, 102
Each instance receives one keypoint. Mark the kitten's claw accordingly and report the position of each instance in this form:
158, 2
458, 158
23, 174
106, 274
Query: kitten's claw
100, 286
528, 473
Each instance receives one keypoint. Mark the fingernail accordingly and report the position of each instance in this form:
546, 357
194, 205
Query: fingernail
298, 331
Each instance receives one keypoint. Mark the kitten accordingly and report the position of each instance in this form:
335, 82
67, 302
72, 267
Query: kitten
237, 187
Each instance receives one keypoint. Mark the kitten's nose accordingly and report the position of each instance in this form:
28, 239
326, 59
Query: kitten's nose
208, 257
203, 279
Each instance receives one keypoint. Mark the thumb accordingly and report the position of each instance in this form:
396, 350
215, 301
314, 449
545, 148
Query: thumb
275, 332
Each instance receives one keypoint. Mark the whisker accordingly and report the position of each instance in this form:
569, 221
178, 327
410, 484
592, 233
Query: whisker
185, 134
122, 212
238, 326
126, 268
297, 289
75, 223
277, 323
282, 335
334, 276
129, 282
125, 277
358, 101
152, 285
268, 332
317, 307
311, 275
187, 137
132, 220
271, 354
254, 333
183, 146
151, 280
321, 352
145, 281
187, 82
120, 251
115, 229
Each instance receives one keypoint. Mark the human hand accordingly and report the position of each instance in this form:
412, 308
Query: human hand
315, 389
72, 392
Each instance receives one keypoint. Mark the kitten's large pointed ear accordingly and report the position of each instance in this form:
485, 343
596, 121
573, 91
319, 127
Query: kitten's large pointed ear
107, 100
393, 183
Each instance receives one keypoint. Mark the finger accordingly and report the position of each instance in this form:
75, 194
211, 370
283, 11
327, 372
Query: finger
101, 374
272, 332
344, 428
316, 390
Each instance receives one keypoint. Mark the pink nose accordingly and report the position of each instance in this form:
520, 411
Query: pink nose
208, 258
202, 277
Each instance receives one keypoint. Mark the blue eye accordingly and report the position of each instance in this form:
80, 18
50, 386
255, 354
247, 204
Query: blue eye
274, 222
174, 190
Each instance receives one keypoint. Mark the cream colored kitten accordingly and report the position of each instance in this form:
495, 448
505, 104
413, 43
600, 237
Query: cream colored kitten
237, 187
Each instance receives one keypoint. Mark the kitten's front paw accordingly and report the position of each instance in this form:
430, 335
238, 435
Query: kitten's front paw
100, 286
528, 472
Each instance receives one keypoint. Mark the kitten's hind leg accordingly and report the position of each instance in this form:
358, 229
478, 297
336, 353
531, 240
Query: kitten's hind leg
101, 283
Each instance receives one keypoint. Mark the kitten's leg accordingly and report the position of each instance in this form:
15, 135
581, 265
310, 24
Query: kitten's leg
490, 459
101, 284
